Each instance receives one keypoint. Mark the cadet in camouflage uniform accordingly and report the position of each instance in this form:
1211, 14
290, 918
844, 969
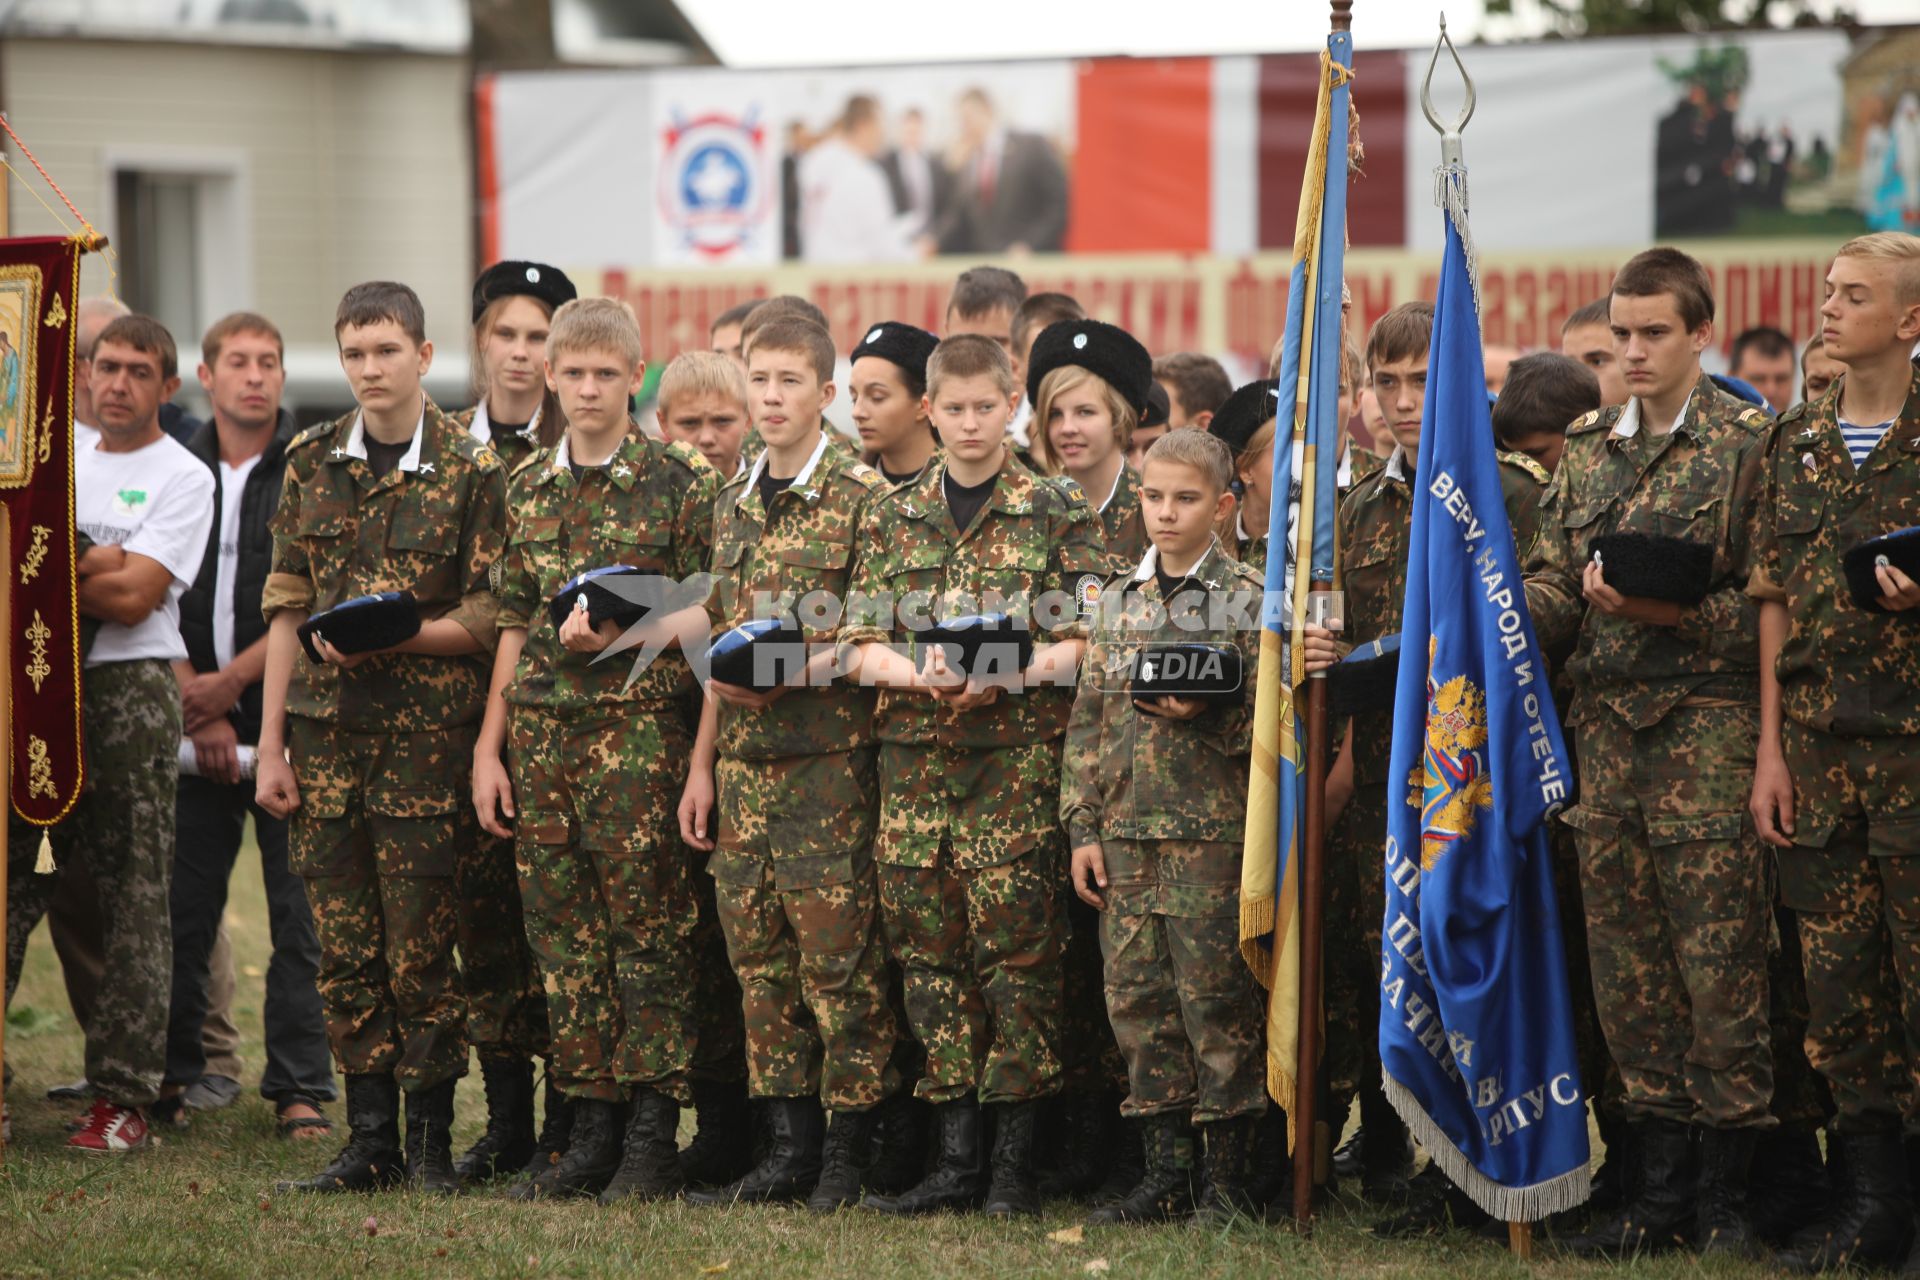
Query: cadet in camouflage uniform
1839, 776
379, 744
513, 303
1153, 802
797, 796
596, 762
970, 850
1374, 521
1664, 715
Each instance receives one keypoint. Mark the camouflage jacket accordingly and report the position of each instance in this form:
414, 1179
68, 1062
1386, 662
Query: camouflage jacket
1129, 775
433, 525
1032, 539
1700, 482
1375, 520
650, 507
766, 562
1843, 669
513, 447
1359, 465
1122, 523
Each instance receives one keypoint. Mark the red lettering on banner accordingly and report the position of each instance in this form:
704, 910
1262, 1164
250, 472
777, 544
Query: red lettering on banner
1808, 288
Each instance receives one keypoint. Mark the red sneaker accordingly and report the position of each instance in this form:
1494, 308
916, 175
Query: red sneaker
111, 1129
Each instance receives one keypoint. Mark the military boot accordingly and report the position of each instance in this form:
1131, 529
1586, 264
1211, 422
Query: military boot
650, 1157
1010, 1189
430, 1138
1228, 1168
1087, 1122
372, 1159
1386, 1157
1722, 1219
1660, 1213
843, 1161
592, 1156
1788, 1186
1869, 1218
722, 1146
797, 1132
1166, 1190
899, 1144
507, 1143
955, 1180
1129, 1165
556, 1123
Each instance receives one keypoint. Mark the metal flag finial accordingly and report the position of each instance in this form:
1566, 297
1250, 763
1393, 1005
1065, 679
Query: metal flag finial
1449, 135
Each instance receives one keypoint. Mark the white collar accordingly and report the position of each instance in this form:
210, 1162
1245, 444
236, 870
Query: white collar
1396, 464
1102, 508
481, 428
1240, 526
1150, 563
1629, 424
410, 460
1342, 474
806, 472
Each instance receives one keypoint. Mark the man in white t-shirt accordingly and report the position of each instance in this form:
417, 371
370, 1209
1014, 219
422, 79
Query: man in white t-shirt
147, 504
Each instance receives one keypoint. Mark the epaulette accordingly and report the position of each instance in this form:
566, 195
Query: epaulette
689, 455
1590, 421
1070, 490
1514, 458
1755, 419
528, 463
485, 458
869, 479
307, 437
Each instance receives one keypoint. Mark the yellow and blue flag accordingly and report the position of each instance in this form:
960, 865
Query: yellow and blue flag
1476, 1020
1305, 458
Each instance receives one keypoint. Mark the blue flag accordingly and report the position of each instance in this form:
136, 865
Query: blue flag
1476, 1023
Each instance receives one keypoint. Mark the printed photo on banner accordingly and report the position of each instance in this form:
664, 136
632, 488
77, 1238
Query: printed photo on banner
19, 303
1879, 156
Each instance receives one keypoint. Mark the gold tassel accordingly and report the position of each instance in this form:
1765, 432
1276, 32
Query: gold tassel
43, 865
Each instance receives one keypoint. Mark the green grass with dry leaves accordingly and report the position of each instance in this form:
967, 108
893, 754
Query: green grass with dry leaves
201, 1204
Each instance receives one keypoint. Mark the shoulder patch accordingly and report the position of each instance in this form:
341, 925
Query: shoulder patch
869, 479
692, 457
1526, 464
1755, 419
463, 418
486, 459
1586, 422
308, 436
1070, 490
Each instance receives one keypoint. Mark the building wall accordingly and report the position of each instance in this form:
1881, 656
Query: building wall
349, 166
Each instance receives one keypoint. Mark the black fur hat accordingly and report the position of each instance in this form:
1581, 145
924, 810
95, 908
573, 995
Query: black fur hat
1901, 549
365, 624
1103, 349
532, 279
1243, 413
1655, 568
900, 343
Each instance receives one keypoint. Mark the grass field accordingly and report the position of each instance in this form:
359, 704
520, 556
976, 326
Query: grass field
201, 1205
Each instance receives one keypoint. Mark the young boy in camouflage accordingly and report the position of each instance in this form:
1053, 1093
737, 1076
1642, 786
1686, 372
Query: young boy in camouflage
969, 849
796, 793
368, 752
1837, 780
1664, 713
1153, 793
596, 760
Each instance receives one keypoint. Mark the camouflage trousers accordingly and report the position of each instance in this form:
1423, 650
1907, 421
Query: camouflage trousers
1599, 1078
1183, 1003
608, 902
719, 1031
794, 869
1090, 1058
381, 823
1800, 1094
1356, 881
1853, 880
980, 953
1678, 902
506, 1008
120, 835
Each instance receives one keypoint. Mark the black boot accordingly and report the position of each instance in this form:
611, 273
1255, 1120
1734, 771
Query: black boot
1268, 1183
507, 1144
1010, 1190
796, 1134
592, 1155
430, 1138
1128, 1167
722, 1146
899, 1144
1659, 1215
1869, 1219
1722, 1221
1386, 1157
1346, 1156
1434, 1206
955, 1180
1229, 1164
372, 1159
556, 1123
1165, 1192
1086, 1126
1612, 1181
1788, 1183
650, 1154
843, 1162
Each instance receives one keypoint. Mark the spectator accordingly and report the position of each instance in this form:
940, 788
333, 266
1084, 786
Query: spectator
1011, 189
846, 206
1763, 359
1817, 369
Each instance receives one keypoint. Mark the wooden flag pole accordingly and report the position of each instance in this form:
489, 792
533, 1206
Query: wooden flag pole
6, 772
1308, 1143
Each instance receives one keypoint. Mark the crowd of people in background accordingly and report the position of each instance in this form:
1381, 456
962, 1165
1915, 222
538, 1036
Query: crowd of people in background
909, 931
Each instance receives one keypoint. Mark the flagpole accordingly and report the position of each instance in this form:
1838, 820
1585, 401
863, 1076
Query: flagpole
6, 770
1310, 1144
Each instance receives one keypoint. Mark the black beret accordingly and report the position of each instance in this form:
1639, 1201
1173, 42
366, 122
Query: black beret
987, 644
758, 655
365, 624
1211, 673
625, 603
531, 279
1365, 680
900, 343
1901, 549
1103, 349
1244, 412
1159, 410
1653, 567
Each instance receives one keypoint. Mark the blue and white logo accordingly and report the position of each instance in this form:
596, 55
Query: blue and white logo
714, 192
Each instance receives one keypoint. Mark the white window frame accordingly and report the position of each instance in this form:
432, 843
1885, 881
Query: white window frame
225, 211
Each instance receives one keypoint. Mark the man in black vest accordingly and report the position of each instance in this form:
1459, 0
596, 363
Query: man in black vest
220, 620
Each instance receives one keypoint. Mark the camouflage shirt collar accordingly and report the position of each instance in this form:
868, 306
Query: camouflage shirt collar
799, 482
1122, 483
1205, 570
1396, 467
481, 428
1688, 423
356, 446
622, 468
927, 496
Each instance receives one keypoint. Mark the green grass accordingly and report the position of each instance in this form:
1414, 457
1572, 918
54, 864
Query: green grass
201, 1205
